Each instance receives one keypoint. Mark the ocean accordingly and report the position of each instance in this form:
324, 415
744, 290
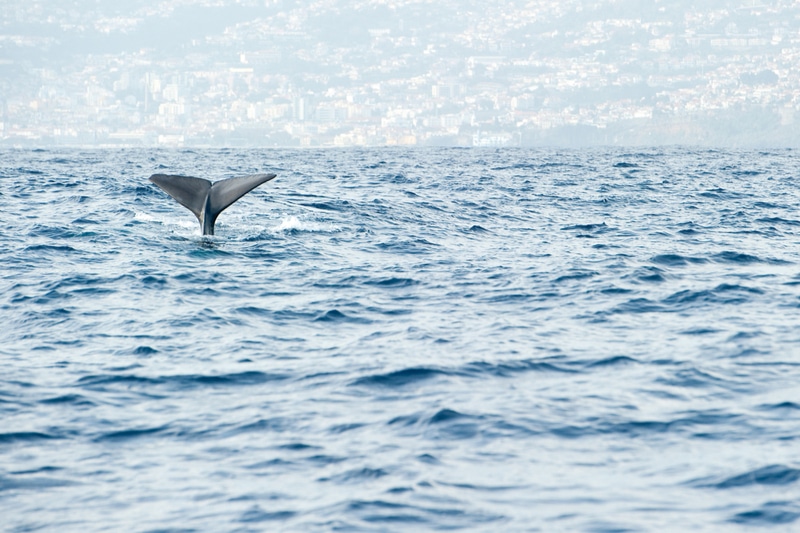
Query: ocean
391, 339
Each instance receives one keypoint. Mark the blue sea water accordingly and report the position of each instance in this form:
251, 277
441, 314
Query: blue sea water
402, 340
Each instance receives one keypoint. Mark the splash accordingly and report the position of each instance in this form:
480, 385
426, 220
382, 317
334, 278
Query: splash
164, 221
289, 224
292, 224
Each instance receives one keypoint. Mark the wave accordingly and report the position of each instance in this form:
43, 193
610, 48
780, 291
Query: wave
129, 434
687, 299
769, 514
71, 399
104, 382
477, 370
36, 484
673, 260
744, 258
401, 339
767, 475
383, 513
399, 378
257, 515
27, 436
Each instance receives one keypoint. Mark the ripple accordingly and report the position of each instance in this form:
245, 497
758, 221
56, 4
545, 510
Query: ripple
769, 514
27, 436
356, 476
743, 258
673, 260
401, 339
103, 382
767, 475
36, 484
334, 315
130, 434
399, 378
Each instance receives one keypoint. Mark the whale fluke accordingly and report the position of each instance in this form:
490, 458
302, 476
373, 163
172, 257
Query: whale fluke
205, 199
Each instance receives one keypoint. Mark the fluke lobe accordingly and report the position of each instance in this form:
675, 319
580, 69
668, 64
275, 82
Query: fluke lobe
205, 199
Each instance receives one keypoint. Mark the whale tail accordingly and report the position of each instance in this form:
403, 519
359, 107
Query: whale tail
205, 199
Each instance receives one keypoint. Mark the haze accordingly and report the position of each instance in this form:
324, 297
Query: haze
399, 72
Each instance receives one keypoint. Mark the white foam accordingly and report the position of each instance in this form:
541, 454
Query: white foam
169, 222
289, 223
240, 223
292, 223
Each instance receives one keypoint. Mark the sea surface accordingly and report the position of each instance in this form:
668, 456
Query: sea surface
546, 340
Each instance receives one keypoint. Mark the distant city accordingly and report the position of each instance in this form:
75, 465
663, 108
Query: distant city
186, 73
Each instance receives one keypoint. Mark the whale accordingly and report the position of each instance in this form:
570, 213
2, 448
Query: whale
206, 199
